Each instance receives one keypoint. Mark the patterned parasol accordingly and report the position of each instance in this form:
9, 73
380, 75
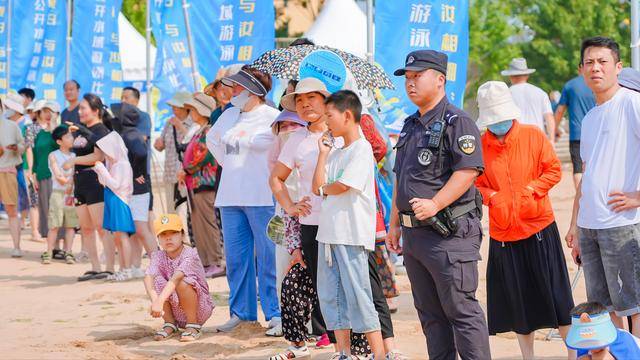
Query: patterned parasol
284, 63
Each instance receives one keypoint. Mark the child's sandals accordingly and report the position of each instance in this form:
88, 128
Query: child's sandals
163, 334
292, 353
192, 332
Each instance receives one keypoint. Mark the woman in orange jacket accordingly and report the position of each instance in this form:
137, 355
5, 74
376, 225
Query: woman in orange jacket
527, 280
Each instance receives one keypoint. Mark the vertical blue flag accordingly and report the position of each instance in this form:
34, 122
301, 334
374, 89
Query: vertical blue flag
4, 83
244, 30
38, 34
225, 32
173, 69
95, 51
438, 25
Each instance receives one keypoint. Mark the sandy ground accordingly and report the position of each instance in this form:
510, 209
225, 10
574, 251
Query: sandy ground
46, 314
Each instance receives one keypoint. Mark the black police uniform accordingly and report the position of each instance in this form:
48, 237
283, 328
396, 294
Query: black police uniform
442, 269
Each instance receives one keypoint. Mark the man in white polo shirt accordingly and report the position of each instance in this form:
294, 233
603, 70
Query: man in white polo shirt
605, 226
533, 102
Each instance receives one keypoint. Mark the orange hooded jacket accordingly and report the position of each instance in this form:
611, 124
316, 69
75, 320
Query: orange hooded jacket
517, 178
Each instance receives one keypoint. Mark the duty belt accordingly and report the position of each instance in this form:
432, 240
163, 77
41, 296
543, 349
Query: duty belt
443, 223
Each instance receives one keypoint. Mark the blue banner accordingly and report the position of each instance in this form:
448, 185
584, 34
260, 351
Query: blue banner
244, 30
225, 32
4, 34
95, 50
38, 34
173, 70
441, 25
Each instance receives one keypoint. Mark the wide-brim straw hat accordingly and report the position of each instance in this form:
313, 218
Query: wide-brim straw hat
179, 98
517, 66
496, 104
204, 104
304, 86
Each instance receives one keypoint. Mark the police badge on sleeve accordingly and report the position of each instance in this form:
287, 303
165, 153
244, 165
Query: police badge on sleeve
467, 144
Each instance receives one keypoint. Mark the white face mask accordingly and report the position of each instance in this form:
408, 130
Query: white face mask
241, 100
9, 113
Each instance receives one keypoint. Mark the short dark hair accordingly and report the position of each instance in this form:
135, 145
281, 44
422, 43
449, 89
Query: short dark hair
591, 308
27, 92
71, 82
301, 41
59, 132
346, 100
601, 42
136, 92
264, 78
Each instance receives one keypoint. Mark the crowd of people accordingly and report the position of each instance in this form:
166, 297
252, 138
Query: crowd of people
238, 170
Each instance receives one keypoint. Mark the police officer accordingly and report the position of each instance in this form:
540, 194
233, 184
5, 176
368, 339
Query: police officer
437, 212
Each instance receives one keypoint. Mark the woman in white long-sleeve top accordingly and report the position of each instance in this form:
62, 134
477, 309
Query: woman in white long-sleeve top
240, 141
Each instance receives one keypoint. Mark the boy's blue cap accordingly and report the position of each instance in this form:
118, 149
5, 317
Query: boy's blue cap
597, 334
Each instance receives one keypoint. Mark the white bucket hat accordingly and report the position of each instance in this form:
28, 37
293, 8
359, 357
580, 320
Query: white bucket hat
14, 102
46, 104
517, 66
179, 98
204, 104
305, 86
495, 104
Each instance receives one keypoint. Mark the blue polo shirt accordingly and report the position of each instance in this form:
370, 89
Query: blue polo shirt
624, 347
578, 99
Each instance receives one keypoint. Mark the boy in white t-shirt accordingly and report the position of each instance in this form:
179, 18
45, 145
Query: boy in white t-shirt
62, 212
344, 178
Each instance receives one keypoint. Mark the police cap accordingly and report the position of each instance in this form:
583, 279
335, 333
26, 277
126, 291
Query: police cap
423, 60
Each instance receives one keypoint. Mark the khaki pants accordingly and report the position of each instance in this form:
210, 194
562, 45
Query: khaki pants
170, 203
206, 228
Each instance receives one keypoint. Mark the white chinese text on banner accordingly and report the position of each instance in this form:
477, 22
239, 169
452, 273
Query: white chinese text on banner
95, 51
405, 26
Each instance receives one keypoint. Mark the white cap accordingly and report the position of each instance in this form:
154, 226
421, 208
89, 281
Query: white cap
14, 102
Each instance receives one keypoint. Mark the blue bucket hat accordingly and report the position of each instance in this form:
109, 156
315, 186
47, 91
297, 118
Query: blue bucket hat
598, 333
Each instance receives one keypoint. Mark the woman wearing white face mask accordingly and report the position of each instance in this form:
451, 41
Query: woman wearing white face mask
527, 280
240, 141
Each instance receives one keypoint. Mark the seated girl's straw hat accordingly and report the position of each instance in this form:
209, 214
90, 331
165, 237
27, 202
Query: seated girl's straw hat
495, 104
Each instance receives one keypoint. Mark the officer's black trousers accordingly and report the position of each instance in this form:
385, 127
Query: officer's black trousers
444, 278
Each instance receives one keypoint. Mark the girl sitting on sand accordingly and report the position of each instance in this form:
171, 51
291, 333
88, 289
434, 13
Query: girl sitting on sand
175, 283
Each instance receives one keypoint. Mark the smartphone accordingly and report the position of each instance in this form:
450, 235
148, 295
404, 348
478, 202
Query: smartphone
578, 260
330, 141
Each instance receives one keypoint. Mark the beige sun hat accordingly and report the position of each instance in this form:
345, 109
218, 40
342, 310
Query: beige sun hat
495, 104
517, 66
179, 98
52, 105
14, 102
39, 105
203, 103
305, 86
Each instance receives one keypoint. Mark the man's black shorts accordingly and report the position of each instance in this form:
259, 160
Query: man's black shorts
576, 160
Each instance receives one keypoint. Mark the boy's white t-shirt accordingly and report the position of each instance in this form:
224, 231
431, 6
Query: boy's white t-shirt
61, 158
350, 218
610, 148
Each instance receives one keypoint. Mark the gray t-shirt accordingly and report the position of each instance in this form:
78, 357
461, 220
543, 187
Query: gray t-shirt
61, 158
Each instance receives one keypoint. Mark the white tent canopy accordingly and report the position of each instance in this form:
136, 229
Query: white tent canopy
341, 24
133, 47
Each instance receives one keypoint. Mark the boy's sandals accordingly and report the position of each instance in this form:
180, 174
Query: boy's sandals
192, 333
120, 276
45, 258
292, 352
69, 258
163, 333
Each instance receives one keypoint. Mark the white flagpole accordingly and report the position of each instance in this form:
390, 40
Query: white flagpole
9, 50
148, 38
635, 35
67, 71
370, 35
192, 53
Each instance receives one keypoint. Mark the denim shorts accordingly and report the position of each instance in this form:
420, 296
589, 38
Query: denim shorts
611, 262
344, 288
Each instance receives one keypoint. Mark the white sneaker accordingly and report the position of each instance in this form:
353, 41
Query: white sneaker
275, 321
275, 331
4, 216
82, 257
137, 273
121, 276
16, 253
233, 323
